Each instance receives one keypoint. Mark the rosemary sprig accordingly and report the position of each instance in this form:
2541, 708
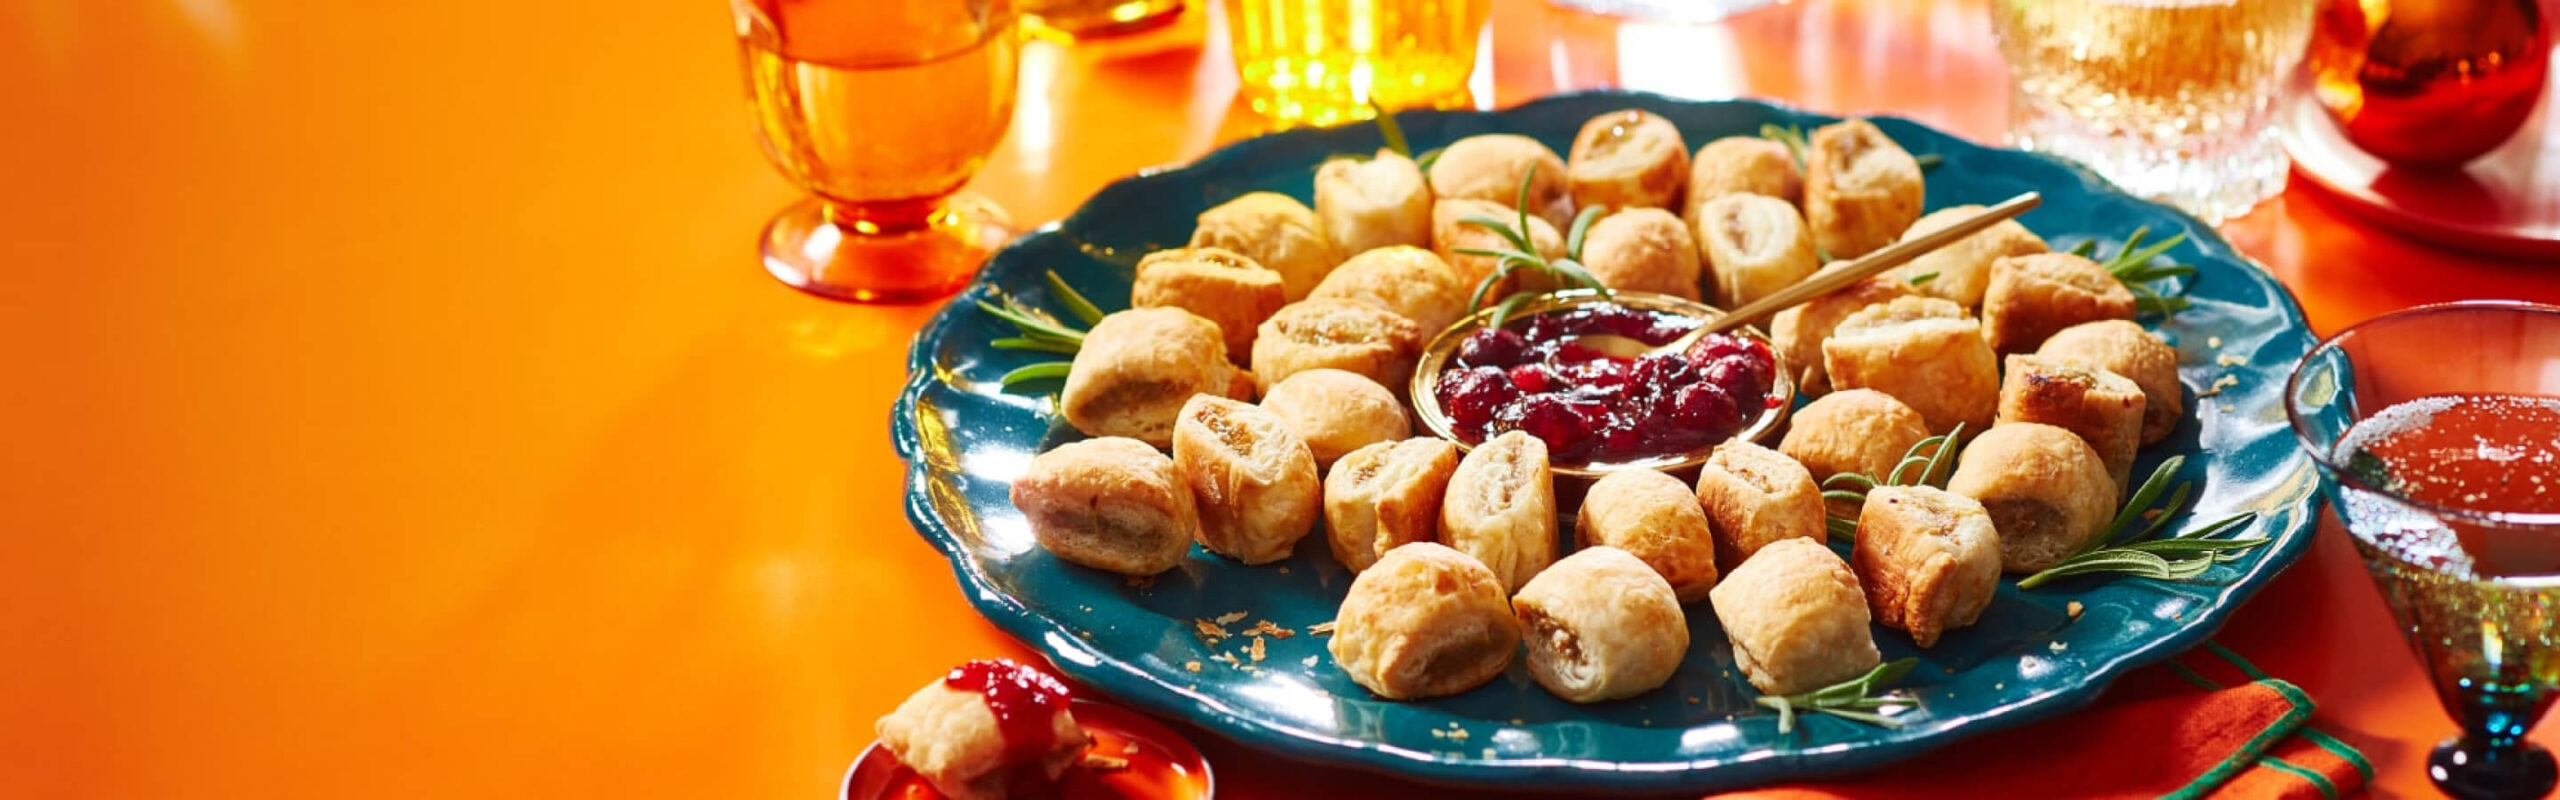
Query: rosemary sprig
1928, 161
2131, 265
1933, 458
1853, 699
1792, 137
1922, 278
1042, 332
2180, 556
1388, 129
1565, 273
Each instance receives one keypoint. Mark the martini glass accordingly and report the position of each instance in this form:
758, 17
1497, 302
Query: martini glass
2473, 581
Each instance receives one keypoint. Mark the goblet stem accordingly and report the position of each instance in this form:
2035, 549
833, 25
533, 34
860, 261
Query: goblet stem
2502, 767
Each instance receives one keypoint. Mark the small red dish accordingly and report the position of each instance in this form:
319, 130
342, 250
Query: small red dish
1162, 765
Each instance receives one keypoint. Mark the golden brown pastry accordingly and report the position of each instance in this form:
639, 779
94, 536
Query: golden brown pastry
1861, 190
1963, 269
1341, 334
1600, 625
1425, 621
2101, 407
1860, 431
1337, 412
2031, 297
1755, 496
1796, 618
1628, 159
1138, 366
2045, 489
1450, 235
1651, 516
1501, 508
949, 737
1742, 164
2124, 348
1489, 167
1254, 481
1754, 245
1410, 281
1642, 250
1221, 286
1386, 495
1274, 230
1929, 559
1925, 352
1112, 503
1379, 202
1798, 332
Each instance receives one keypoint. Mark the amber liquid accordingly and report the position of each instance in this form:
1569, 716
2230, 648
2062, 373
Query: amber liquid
883, 109
1321, 61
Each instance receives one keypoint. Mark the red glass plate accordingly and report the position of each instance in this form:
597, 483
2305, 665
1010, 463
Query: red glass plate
1162, 765
2505, 203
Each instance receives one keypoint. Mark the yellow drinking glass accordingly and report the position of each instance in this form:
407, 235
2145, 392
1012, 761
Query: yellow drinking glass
1321, 62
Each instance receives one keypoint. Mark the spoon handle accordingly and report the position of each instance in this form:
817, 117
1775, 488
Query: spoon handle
1839, 275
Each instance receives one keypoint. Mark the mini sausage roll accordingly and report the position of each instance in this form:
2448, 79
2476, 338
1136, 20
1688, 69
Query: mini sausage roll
2031, 297
1798, 332
2046, 490
1138, 366
1756, 496
1112, 503
1342, 334
1755, 245
1796, 618
1857, 431
1386, 495
1425, 621
1642, 250
1929, 559
1274, 230
1489, 167
1925, 352
1337, 412
1501, 508
1861, 190
1410, 281
1963, 268
1222, 286
2124, 348
1651, 516
1254, 481
1379, 202
2103, 408
1450, 234
1628, 159
951, 739
1600, 625
1745, 165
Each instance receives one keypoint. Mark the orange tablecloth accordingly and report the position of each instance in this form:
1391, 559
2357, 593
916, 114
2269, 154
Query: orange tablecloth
393, 404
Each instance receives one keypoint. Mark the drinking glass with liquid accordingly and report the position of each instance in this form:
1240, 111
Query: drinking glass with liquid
1322, 62
2175, 100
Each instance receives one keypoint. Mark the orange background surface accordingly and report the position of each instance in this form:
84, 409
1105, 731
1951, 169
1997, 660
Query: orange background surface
394, 405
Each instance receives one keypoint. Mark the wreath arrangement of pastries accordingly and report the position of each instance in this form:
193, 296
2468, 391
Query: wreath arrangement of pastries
1975, 412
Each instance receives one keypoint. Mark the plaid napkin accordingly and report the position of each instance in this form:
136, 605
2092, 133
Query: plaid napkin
2170, 731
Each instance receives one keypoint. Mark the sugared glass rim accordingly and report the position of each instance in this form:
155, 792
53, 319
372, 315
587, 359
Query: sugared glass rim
2324, 453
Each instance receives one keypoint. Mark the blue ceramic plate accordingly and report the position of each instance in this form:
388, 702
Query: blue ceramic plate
966, 439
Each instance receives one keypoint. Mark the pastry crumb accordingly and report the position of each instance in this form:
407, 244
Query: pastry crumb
1210, 633
1104, 763
2073, 609
1256, 650
1693, 699
2228, 408
1284, 570
2219, 384
1231, 617
1191, 666
2229, 361
2213, 341
2058, 646
1324, 628
1269, 628
2002, 685
1310, 662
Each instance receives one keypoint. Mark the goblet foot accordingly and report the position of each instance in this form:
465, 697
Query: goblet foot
2470, 769
824, 254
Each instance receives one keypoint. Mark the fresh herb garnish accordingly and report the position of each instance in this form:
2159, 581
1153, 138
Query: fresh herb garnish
1389, 130
1853, 699
1922, 278
2131, 265
1565, 273
2178, 557
1928, 161
1928, 462
1792, 137
1042, 332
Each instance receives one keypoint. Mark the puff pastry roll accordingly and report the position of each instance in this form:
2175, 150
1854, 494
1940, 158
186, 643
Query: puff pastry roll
2102, 408
1384, 496
1628, 159
1380, 202
2124, 348
2031, 297
1929, 559
1253, 480
1600, 625
1643, 250
1112, 503
1340, 334
1336, 412
1654, 518
1796, 618
1861, 431
950, 738
1755, 245
2045, 489
1221, 286
1925, 352
1756, 496
1963, 269
1274, 230
1410, 281
1501, 508
1798, 332
1425, 621
1861, 190
1745, 165
1450, 235
1489, 167
1138, 366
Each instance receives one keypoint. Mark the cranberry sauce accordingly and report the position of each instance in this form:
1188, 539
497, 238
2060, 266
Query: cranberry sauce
1024, 701
1593, 408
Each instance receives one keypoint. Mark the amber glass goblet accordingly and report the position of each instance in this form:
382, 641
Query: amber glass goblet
882, 109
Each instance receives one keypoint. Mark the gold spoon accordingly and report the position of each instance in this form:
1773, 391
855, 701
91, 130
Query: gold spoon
1830, 279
